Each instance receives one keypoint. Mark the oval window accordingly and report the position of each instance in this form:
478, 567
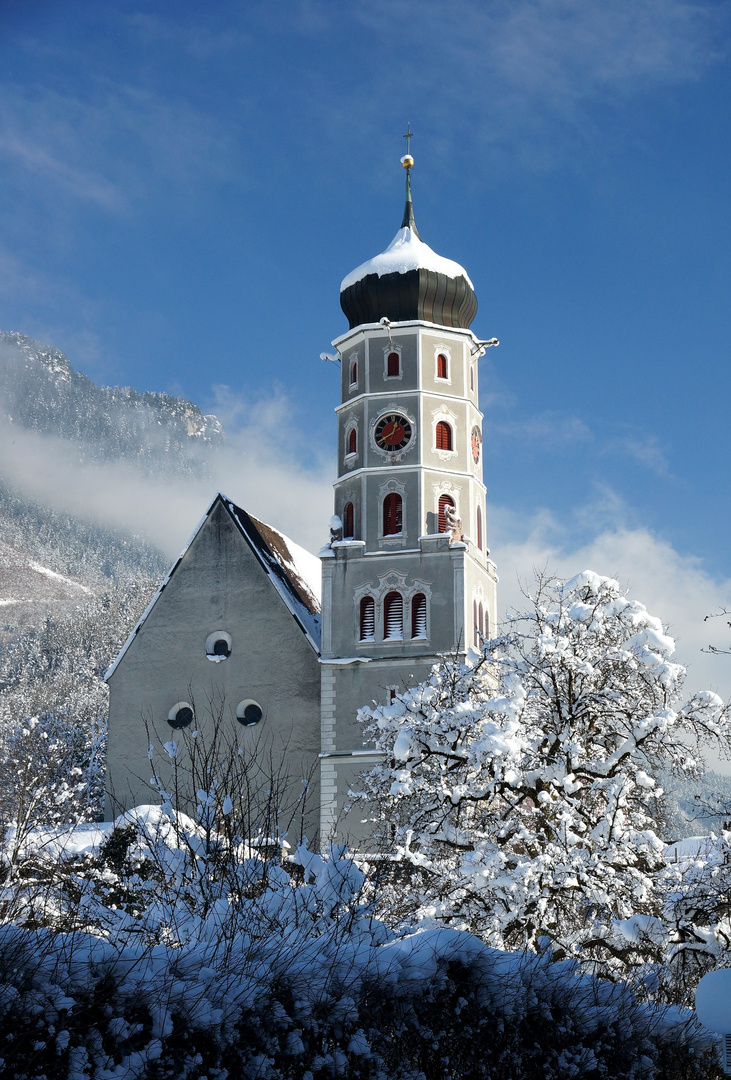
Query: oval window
249, 713
218, 646
181, 715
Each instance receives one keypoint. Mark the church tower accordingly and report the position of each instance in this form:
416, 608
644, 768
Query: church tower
407, 576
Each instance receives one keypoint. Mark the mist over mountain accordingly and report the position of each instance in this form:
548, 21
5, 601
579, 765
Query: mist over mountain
55, 557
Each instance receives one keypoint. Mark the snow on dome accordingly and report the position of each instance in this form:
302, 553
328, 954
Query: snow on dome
405, 252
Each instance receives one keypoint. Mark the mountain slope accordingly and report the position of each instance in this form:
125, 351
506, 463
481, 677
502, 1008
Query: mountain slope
156, 434
40, 391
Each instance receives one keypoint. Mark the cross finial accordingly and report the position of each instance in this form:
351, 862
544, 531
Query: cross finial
408, 136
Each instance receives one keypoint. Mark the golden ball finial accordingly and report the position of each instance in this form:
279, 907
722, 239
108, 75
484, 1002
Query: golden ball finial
407, 161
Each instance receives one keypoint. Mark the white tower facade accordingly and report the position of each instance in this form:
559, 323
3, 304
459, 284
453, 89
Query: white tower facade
411, 577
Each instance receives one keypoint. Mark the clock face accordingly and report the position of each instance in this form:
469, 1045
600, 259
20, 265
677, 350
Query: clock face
392, 432
476, 443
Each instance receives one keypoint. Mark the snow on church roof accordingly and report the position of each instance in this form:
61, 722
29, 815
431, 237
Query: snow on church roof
293, 571
407, 251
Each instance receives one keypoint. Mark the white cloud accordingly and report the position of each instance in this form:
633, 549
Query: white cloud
645, 449
518, 80
542, 426
673, 585
112, 146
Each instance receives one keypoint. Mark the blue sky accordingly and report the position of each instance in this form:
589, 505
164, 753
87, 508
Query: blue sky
183, 186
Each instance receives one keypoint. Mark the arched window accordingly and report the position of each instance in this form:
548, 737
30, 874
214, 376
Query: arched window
393, 364
418, 616
472, 377
486, 625
367, 619
354, 373
442, 367
479, 619
479, 528
352, 441
475, 626
392, 514
444, 501
393, 617
444, 436
348, 522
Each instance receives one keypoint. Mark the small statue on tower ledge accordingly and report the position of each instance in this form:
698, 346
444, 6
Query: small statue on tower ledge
454, 524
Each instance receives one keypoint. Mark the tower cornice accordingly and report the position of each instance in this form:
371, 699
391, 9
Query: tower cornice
371, 329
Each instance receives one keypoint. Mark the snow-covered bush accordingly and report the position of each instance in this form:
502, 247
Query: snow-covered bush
523, 786
311, 985
176, 945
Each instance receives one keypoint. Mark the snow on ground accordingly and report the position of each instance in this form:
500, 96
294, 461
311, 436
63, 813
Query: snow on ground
691, 847
23, 580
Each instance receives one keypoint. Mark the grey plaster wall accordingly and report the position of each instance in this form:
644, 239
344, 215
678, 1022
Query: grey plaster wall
359, 685
348, 821
218, 585
454, 347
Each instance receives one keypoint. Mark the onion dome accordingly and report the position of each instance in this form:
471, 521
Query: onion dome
409, 281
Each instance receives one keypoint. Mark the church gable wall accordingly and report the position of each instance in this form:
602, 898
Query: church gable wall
219, 585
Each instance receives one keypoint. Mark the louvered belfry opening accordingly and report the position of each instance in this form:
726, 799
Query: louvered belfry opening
352, 441
418, 616
442, 367
392, 514
367, 619
444, 436
393, 364
479, 528
393, 617
348, 522
444, 500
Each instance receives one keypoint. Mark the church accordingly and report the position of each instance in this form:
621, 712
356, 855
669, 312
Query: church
253, 644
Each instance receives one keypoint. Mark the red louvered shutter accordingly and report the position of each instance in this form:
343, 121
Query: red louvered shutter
444, 436
393, 617
418, 616
367, 619
392, 514
444, 500
348, 519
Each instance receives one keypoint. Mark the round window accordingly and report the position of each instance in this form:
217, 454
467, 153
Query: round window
181, 715
218, 646
249, 713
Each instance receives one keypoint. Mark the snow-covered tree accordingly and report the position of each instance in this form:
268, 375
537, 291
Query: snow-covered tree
53, 712
522, 787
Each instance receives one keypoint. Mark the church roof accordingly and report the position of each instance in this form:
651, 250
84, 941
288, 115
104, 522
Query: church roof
293, 572
409, 281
